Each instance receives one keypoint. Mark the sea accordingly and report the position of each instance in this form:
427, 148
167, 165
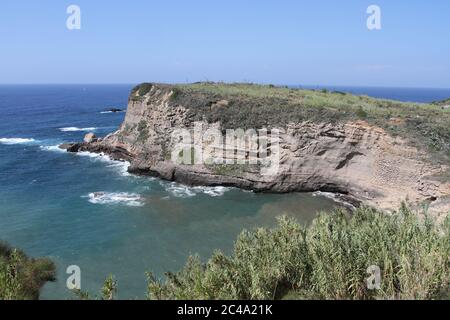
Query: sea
86, 210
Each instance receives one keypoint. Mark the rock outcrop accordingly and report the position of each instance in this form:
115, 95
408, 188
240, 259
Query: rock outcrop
90, 138
352, 158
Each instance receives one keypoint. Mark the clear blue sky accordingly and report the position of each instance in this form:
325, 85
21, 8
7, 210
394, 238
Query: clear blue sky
321, 42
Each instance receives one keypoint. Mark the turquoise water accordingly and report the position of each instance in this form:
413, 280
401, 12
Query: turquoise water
137, 224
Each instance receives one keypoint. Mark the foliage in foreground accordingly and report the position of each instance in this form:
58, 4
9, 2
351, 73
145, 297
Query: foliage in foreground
327, 260
21, 277
108, 291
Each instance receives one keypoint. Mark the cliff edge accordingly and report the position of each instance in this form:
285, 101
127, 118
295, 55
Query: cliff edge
378, 152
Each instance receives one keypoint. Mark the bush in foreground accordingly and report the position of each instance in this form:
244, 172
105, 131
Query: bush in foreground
327, 260
21, 277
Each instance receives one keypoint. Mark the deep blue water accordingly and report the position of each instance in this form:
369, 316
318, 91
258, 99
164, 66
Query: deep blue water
140, 224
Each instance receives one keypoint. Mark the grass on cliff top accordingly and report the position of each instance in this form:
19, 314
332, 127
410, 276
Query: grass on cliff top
445, 102
22, 277
425, 126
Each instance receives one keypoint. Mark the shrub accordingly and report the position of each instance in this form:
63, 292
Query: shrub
21, 277
107, 292
327, 260
138, 92
144, 89
175, 94
142, 131
361, 113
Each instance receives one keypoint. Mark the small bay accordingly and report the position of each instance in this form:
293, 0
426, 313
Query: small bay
86, 210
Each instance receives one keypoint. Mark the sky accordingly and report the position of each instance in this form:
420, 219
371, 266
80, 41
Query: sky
295, 42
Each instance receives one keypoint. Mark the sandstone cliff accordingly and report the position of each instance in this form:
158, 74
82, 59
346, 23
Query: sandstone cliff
336, 152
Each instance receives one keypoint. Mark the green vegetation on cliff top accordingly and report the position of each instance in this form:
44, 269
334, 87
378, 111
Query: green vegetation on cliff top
426, 126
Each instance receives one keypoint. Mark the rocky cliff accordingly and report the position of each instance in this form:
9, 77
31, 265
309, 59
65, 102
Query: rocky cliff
336, 152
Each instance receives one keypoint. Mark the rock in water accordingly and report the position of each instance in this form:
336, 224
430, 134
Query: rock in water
90, 137
66, 146
70, 147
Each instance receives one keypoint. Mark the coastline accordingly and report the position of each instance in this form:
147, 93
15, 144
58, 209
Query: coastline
360, 163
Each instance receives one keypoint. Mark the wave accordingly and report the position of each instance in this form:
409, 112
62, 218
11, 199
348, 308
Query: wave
212, 191
181, 191
111, 198
105, 112
11, 141
178, 190
120, 166
75, 129
333, 196
55, 148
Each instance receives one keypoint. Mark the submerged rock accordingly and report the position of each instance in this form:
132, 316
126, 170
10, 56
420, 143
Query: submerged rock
113, 110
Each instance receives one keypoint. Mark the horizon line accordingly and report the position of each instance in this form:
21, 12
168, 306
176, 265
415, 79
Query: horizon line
230, 82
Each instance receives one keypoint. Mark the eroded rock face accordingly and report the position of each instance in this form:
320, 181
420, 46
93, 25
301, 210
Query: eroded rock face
90, 137
351, 158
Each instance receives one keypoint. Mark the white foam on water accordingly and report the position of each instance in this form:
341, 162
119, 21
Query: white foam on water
116, 198
179, 191
52, 148
11, 141
212, 191
332, 196
75, 129
120, 166
182, 191
329, 195
104, 112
